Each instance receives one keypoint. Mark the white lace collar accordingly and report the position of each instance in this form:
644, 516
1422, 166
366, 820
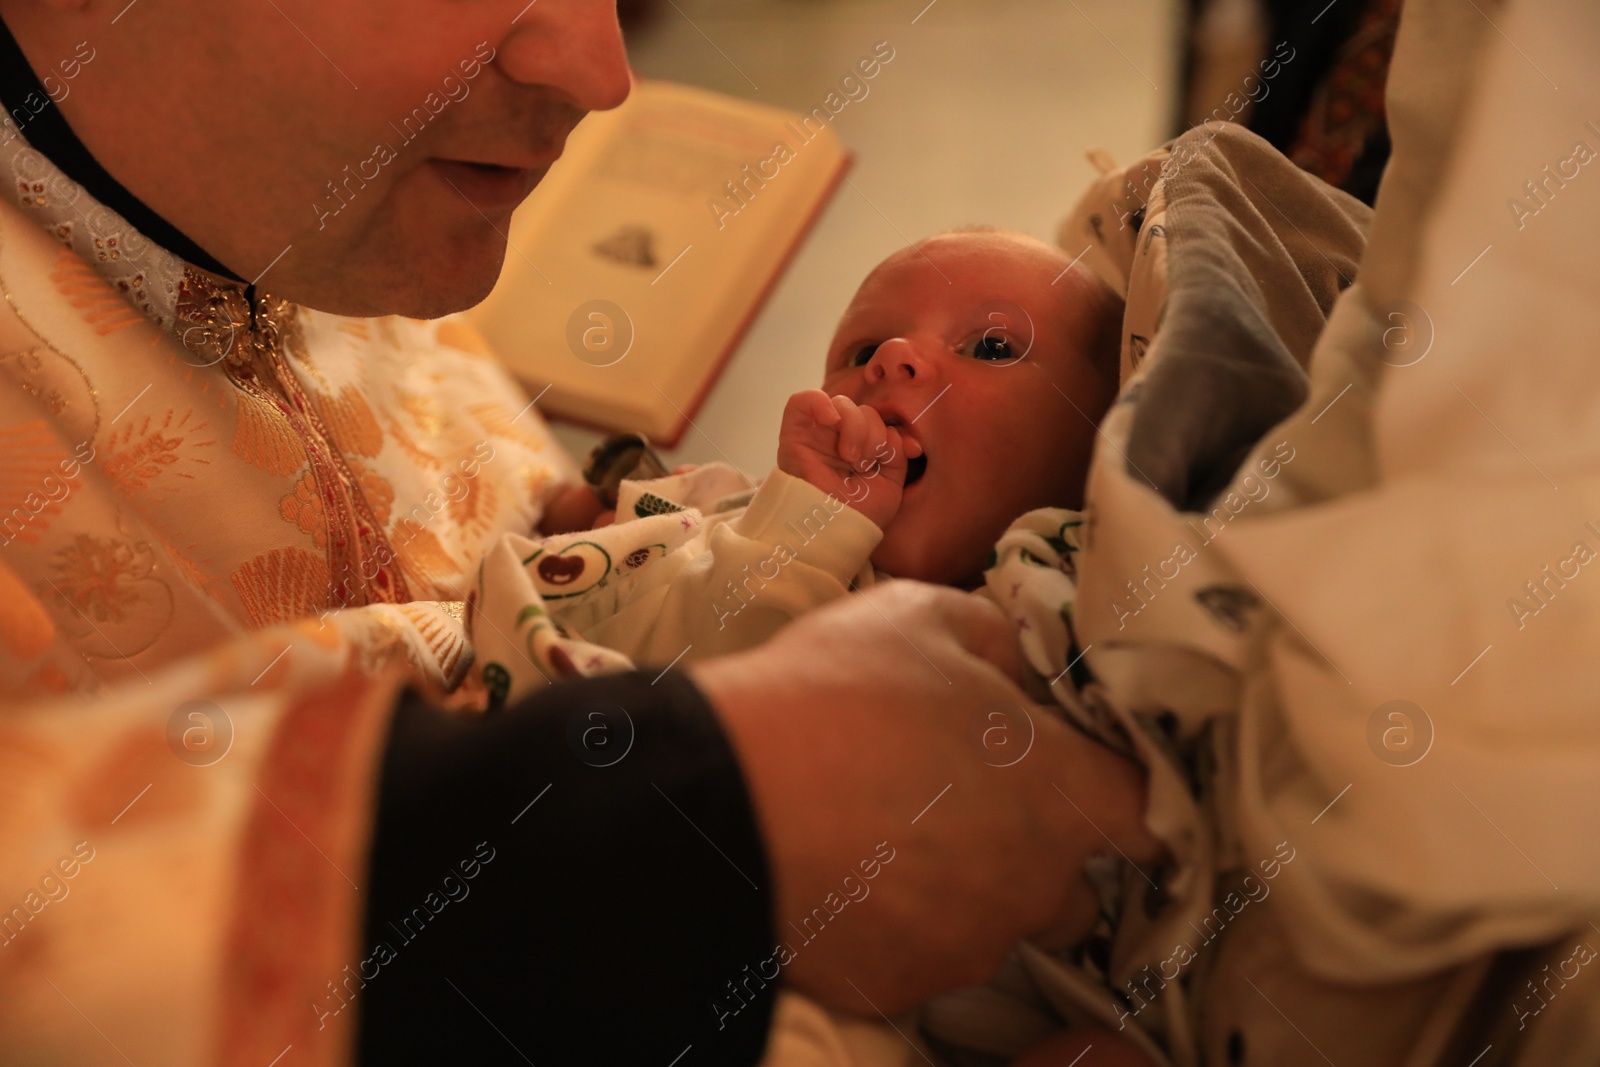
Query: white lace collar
146, 274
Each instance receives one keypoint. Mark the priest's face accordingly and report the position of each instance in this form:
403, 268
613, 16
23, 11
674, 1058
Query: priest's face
358, 156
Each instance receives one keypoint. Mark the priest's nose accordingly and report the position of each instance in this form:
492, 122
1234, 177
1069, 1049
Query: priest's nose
572, 46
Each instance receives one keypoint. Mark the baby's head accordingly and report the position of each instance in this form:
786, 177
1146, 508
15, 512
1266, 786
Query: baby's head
1000, 357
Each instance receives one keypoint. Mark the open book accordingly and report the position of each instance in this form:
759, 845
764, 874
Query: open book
638, 263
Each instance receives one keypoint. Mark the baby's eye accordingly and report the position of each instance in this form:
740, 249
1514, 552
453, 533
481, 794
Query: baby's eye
862, 355
992, 346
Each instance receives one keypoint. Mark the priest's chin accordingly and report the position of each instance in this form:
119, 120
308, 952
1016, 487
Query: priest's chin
417, 253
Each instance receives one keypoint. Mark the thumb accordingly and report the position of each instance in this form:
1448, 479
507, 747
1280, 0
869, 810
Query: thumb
975, 623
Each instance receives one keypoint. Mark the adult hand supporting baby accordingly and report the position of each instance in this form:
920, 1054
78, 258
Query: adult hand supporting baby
853, 728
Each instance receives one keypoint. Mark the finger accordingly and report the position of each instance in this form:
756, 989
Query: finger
810, 406
822, 409
852, 429
874, 437
1106, 790
974, 623
896, 453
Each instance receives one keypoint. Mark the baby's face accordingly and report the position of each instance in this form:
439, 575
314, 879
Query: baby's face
979, 347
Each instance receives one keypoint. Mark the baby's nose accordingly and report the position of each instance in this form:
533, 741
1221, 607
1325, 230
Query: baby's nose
896, 357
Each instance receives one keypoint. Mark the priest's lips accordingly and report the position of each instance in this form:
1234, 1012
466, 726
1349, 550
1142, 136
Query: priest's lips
490, 186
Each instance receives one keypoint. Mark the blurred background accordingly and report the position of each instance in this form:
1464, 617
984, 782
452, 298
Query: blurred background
984, 117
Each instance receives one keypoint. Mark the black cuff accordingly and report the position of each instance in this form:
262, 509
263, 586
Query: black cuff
576, 880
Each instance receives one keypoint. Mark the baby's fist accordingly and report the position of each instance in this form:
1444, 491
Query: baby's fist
846, 450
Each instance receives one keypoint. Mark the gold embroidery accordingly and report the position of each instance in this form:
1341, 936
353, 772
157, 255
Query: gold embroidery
303, 507
58, 384
476, 507
189, 568
424, 411
501, 421
105, 595
264, 440
217, 323
250, 339
351, 421
284, 584
27, 367
134, 464
377, 491
103, 307
409, 447
94, 574
447, 642
32, 481
421, 553
31, 193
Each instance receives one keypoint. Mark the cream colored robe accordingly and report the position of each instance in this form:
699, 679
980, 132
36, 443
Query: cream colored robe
217, 563
1447, 456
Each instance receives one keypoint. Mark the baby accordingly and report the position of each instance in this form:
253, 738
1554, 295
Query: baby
949, 443
961, 390
977, 365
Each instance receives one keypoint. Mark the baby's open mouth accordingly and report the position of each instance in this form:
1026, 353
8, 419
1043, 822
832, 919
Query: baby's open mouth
915, 468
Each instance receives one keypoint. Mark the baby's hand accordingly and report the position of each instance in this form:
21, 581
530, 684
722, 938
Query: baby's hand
844, 448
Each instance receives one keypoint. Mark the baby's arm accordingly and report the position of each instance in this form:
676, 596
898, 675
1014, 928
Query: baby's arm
792, 549
832, 442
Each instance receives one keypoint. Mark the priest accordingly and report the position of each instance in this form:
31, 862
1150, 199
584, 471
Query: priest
248, 464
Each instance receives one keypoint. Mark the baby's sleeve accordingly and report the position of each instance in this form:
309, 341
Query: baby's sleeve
792, 549
669, 587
